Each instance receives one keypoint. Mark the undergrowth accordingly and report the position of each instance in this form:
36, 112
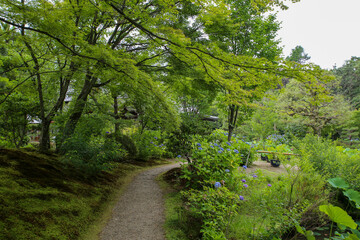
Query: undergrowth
179, 225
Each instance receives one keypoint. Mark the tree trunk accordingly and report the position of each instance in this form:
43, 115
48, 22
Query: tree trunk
116, 116
232, 118
45, 135
78, 109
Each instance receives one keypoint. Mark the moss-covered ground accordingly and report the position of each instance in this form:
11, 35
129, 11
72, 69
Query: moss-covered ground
42, 198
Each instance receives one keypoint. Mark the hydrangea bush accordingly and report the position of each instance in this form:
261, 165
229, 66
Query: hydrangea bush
212, 157
232, 200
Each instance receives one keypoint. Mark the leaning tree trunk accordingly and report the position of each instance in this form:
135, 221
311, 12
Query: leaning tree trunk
78, 109
232, 118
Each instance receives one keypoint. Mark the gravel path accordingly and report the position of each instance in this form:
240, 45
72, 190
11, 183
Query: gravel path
139, 213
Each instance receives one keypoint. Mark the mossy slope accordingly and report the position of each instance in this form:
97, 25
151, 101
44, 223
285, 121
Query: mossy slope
42, 198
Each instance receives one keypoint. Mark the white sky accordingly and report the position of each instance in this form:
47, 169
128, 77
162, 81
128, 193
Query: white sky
328, 30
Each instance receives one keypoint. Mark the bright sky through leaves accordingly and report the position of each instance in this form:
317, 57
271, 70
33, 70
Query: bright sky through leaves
328, 30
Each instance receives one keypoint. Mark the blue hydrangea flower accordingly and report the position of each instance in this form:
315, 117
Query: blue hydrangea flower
245, 185
227, 170
216, 145
222, 149
228, 143
245, 167
179, 156
217, 185
236, 151
241, 198
212, 146
199, 145
219, 151
243, 180
200, 148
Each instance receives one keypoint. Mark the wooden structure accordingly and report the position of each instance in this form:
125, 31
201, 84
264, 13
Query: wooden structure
261, 151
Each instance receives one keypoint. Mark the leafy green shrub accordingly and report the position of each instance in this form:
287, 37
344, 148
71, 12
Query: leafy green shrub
179, 141
215, 206
329, 160
150, 145
91, 156
127, 144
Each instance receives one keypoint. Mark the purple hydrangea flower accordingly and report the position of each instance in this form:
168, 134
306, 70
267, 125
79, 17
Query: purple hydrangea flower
243, 180
245, 185
241, 198
255, 176
269, 185
217, 185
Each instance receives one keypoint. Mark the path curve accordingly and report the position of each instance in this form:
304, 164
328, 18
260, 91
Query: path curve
139, 213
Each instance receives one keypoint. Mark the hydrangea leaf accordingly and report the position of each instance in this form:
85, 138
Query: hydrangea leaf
338, 215
338, 183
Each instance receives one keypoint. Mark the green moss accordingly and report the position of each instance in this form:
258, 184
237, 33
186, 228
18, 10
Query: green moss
43, 198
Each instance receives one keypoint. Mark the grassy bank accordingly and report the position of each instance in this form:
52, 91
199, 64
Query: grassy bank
178, 224
42, 198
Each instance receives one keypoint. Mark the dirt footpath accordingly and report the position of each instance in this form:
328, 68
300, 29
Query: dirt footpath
139, 213
267, 166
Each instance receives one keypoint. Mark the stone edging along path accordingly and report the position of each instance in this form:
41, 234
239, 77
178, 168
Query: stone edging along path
139, 213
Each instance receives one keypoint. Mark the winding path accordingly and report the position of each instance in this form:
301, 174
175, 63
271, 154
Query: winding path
139, 213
